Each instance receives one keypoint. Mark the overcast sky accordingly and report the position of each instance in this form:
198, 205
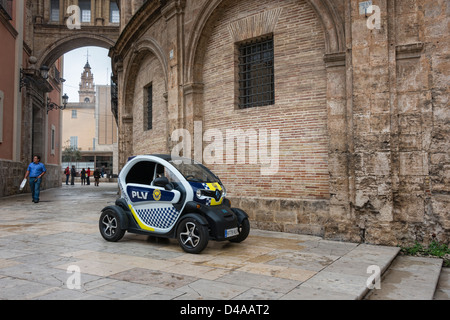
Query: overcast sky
74, 62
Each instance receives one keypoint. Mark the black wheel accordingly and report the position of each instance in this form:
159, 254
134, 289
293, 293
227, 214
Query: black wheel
109, 226
244, 230
192, 235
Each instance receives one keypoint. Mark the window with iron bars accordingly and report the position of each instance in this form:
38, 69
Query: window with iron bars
114, 99
148, 116
256, 73
85, 7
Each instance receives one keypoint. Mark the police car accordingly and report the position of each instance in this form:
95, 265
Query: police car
172, 197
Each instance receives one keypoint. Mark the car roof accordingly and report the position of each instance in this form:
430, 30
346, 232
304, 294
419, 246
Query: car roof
166, 157
162, 156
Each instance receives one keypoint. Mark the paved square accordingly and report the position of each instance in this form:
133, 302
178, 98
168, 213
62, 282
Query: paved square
39, 243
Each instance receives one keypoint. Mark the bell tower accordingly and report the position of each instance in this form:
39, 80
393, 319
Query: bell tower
87, 85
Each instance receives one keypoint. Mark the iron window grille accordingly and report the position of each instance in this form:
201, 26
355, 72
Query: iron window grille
114, 99
85, 7
54, 10
114, 16
256, 73
149, 111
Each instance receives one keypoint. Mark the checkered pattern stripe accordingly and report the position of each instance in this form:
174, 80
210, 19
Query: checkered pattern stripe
208, 200
162, 218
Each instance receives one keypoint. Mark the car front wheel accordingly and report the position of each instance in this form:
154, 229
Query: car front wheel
192, 235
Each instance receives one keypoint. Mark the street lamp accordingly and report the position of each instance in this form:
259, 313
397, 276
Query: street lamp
29, 75
44, 72
52, 106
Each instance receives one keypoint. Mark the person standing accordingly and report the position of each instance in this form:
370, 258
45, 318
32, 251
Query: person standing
83, 176
97, 177
73, 173
67, 173
36, 170
88, 175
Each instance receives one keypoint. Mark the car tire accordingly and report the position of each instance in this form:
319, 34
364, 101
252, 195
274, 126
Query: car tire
110, 227
244, 231
192, 235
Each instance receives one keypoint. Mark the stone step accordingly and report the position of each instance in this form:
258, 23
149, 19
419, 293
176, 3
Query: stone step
347, 277
409, 278
443, 288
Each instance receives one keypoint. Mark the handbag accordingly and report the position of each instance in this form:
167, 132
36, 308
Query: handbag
23, 184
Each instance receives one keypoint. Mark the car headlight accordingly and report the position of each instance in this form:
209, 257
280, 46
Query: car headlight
224, 192
199, 193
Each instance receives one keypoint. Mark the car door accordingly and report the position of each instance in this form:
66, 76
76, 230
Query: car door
152, 205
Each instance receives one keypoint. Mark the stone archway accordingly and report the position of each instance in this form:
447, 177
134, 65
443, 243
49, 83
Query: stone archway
332, 23
141, 50
58, 48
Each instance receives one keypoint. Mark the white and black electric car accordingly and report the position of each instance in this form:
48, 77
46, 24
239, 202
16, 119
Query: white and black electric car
173, 198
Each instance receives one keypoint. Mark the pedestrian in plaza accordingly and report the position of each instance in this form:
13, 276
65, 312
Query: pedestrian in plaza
83, 176
36, 170
73, 174
88, 175
67, 173
97, 177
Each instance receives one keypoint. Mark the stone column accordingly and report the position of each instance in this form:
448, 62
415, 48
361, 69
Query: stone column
125, 139
99, 19
125, 118
174, 15
39, 12
193, 94
338, 155
373, 129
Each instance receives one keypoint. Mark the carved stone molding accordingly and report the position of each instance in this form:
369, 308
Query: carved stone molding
334, 59
409, 51
192, 88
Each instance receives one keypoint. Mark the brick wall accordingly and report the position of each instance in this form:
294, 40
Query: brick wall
299, 112
154, 140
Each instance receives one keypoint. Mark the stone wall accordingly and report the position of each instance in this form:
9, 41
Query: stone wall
400, 114
12, 174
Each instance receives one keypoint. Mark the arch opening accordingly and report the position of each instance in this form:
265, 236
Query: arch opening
67, 44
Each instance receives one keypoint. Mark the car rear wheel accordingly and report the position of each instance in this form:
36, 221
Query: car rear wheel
110, 227
192, 235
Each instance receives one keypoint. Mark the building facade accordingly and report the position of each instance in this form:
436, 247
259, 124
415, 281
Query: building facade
321, 117
89, 126
27, 125
35, 34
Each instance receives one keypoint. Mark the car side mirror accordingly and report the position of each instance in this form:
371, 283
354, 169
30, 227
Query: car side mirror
161, 182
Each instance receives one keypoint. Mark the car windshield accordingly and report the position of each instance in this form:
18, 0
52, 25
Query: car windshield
195, 172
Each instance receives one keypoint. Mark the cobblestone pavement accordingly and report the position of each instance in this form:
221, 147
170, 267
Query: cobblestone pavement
42, 246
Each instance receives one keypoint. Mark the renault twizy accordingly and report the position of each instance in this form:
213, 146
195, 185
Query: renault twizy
173, 198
